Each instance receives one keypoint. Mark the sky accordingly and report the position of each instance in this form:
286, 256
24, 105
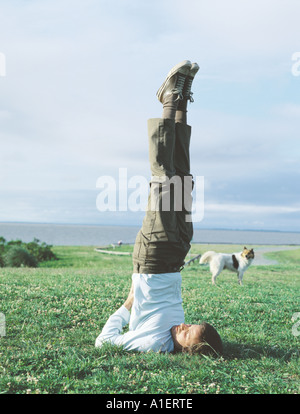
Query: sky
80, 82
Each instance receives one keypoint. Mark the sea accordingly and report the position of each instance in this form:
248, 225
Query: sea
100, 235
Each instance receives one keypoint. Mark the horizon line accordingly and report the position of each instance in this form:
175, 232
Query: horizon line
139, 225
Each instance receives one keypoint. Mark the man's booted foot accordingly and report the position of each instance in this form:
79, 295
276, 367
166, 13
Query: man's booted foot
187, 95
187, 89
171, 91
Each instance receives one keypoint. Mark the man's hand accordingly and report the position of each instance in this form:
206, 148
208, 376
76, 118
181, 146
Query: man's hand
129, 301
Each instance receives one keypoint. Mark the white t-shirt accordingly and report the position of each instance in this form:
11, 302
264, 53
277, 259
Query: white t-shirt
157, 306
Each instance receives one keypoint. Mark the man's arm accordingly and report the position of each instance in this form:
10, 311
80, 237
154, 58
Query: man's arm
112, 330
129, 301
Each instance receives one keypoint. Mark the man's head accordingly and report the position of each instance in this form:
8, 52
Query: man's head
201, 339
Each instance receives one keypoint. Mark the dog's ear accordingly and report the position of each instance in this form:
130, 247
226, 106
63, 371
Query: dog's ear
251, 250
245, 248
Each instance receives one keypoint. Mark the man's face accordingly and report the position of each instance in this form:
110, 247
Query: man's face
186, 335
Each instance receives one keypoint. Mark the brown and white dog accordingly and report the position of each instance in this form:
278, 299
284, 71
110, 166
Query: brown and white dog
236, 262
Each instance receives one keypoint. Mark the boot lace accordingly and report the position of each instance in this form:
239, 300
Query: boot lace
178, 90
187, 90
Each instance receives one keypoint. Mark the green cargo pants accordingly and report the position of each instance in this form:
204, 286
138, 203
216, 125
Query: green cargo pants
164, 240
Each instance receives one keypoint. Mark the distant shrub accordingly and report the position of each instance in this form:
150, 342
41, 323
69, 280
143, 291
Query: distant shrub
17, 256
15, 243
2, 245
16, 253
41, 251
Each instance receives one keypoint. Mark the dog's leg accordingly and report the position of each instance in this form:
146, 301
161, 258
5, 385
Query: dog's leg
214, 277
240, 278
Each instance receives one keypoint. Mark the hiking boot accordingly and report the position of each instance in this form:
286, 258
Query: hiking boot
187, 93
174, 82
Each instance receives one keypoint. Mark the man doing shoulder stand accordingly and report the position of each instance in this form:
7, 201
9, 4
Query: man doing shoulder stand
156, 320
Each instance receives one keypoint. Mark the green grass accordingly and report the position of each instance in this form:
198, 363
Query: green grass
286, 257
55, 312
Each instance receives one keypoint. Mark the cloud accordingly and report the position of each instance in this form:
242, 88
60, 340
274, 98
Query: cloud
251, 208
289, 111
250, 28
81, 81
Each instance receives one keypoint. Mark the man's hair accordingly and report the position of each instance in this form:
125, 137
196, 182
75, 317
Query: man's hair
210, 342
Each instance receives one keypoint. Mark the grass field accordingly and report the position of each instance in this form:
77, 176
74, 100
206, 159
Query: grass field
55, 312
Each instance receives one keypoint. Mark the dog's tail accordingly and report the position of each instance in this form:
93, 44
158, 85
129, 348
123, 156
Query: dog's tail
206, 257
